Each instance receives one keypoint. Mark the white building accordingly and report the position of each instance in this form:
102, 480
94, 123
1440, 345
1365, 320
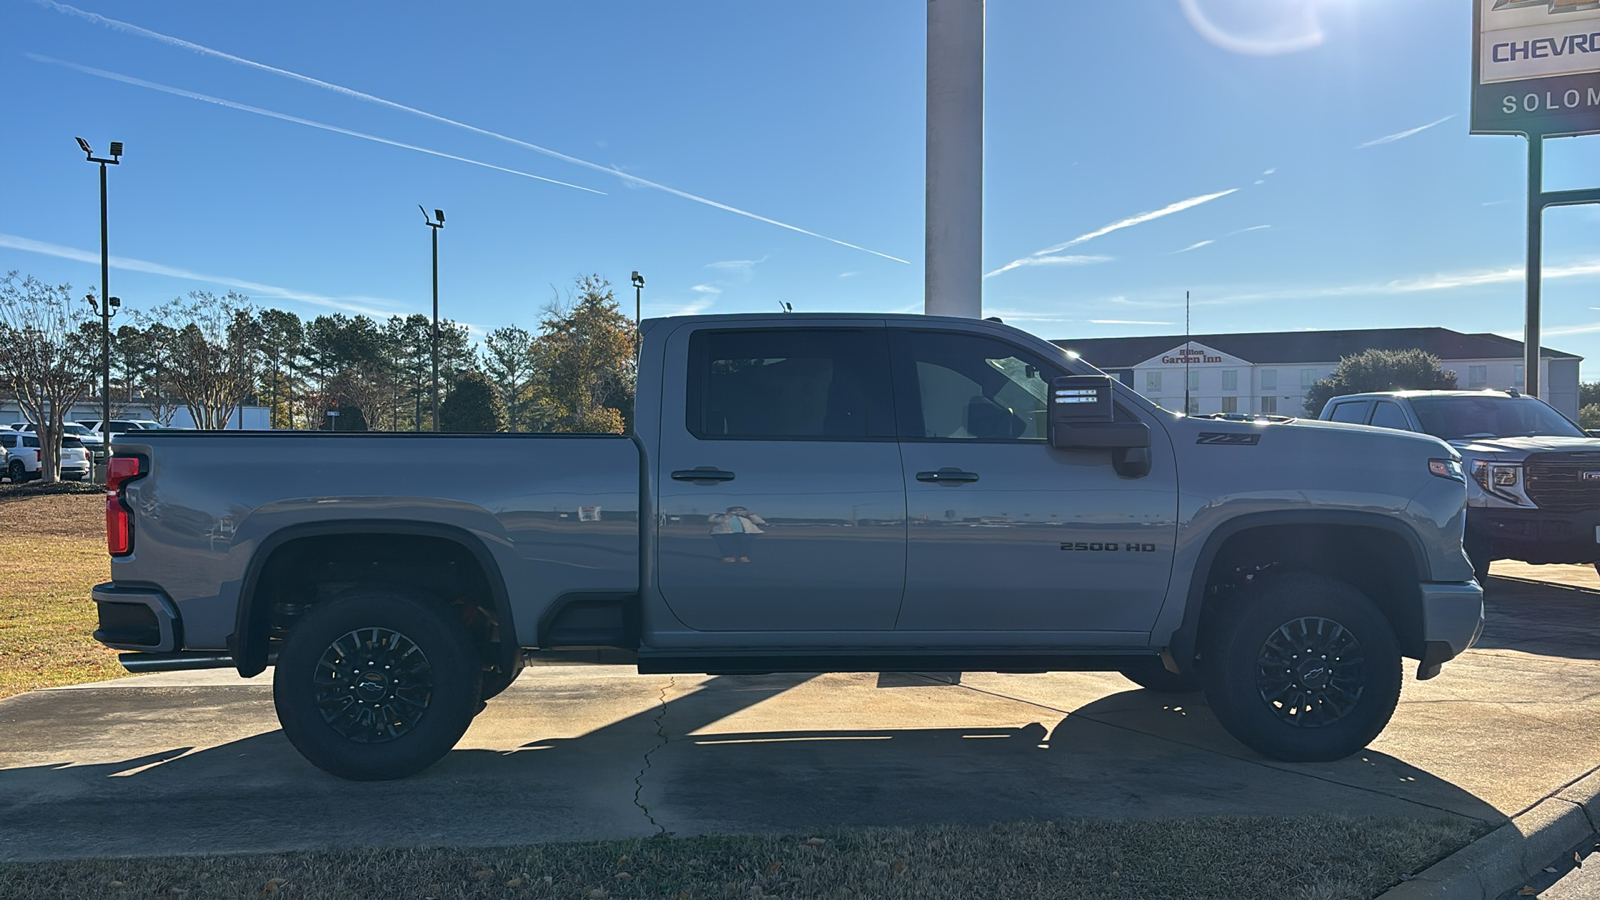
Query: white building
1270, 372
254, 418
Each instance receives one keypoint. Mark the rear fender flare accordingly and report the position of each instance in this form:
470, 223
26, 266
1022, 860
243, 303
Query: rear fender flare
252, 621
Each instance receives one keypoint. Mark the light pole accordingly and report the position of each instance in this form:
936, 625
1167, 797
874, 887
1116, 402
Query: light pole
104, 309
434, 225
638, 286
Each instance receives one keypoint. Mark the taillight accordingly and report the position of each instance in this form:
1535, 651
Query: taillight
119, 520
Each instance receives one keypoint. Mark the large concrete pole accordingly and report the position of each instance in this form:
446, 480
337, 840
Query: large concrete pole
954, 253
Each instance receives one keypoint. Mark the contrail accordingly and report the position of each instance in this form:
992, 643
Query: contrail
1402, 135
29, 245
179, 92
369, 98
1139, 219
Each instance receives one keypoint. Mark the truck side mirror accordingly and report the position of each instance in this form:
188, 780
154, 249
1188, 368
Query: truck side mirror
1082, 418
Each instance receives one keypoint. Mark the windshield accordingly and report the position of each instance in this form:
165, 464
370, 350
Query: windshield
1458, 418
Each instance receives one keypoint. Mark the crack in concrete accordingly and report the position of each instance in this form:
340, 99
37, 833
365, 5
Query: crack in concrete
638, 780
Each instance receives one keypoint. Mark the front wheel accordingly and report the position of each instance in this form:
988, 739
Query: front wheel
377, 684
1302, 668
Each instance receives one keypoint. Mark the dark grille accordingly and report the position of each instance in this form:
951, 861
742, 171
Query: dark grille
1556, 482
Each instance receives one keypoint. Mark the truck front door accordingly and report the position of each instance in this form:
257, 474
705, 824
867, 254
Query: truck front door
781, 501
1007, 534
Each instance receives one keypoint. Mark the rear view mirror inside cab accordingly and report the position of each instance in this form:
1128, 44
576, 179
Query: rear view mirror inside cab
1082, 417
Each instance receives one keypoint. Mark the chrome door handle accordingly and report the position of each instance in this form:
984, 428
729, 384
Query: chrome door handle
948, 476
702, 475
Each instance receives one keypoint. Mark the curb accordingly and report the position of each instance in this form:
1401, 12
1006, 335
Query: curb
1512, 854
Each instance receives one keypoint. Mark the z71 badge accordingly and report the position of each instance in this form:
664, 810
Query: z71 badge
1244, 438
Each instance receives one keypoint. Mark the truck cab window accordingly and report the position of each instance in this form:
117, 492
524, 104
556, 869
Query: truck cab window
823, 384
968, 387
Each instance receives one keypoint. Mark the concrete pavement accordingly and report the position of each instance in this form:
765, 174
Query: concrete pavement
194, 762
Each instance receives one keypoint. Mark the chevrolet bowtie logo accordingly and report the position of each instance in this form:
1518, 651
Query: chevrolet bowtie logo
1554, 6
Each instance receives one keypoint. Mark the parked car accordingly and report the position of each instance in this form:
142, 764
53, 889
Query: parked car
121, 426
90, 439
1534, 489
22, 457
802, 493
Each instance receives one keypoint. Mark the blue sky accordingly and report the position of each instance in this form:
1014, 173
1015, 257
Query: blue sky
1311, 159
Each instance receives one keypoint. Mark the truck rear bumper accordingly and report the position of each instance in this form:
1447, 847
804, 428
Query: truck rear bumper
1452, 621
140, 619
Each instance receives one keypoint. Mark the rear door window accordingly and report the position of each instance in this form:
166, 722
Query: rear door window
1351, 411
790, 384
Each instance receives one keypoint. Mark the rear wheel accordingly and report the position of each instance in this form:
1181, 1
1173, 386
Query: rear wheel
17, 471
1153, 676
377, 685
1302, 668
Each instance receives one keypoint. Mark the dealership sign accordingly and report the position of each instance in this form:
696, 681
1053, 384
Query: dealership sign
1536, 67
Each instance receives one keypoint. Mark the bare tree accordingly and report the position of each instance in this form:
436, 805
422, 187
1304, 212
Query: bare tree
213, 358
44, 361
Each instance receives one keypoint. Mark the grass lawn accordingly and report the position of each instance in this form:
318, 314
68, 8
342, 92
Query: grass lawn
1199, 859
52, 551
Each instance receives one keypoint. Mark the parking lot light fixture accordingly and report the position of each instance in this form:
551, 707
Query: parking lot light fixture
434, 224
104, 309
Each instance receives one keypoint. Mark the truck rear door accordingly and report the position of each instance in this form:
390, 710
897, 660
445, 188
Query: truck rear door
781, 501
1007, 534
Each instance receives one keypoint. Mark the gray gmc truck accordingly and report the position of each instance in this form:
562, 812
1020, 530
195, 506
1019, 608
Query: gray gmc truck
802, 493
1534, 489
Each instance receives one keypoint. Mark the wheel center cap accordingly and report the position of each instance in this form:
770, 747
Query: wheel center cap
373, 685
1313, 673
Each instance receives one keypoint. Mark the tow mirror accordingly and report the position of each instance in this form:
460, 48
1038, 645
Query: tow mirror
1082, 418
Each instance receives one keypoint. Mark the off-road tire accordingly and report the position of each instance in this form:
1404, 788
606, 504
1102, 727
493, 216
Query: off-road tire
1302, 668
394, 717
1153, 676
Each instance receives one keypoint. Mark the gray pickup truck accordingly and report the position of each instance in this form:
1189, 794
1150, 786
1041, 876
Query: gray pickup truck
802, 493
1534, 488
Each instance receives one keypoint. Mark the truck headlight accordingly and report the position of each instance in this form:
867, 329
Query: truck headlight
1446, 468
1505, 476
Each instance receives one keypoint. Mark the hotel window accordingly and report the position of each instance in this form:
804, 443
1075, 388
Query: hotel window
1477, 376
1269, 404
1230, 404
1230, 379
1269, 379
1516, 376
1194, 380
1308, 377
1152, 382
1194, 407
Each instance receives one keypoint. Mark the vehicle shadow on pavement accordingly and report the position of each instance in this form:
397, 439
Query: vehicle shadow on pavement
1541, 617
713, 757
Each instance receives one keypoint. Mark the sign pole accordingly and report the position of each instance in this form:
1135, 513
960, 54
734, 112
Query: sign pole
1530, 328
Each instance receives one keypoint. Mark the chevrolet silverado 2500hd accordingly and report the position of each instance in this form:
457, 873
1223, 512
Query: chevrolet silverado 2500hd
802, 493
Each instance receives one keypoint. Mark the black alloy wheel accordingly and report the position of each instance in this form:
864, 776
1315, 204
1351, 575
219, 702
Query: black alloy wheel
373, 685
17, 471
1301, 667
1310, 672
378, 683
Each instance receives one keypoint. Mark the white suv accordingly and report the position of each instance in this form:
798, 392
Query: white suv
90, 439
22, 457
